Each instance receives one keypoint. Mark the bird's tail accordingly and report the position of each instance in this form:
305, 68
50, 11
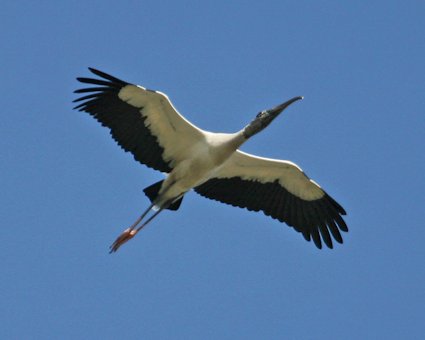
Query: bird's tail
152, 193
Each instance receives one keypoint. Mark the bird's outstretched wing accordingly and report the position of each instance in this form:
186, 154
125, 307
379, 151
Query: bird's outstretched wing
281, 190
143, 122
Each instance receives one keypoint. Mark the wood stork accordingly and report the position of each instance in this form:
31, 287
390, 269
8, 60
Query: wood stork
145, 123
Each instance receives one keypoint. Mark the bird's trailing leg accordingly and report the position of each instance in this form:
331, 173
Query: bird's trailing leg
130, 232
126, 235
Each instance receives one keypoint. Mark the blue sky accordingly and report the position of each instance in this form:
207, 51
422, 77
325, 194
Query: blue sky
210, 271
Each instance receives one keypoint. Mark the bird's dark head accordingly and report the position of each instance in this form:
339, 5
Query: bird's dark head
264, 118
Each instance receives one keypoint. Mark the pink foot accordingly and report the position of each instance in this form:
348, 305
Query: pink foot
126, 235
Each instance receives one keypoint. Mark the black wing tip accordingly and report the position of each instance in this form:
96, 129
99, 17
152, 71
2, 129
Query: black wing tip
92, 70
99, 73
84, 79
105, 84
106, 79
107, 76
335, 204
318, 243
324, 234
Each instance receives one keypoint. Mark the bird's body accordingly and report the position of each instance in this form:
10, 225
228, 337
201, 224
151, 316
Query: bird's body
207, 157
145, 123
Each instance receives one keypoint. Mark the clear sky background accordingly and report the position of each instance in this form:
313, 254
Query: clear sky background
210, 271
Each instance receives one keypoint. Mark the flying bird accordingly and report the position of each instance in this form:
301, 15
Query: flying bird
145, 123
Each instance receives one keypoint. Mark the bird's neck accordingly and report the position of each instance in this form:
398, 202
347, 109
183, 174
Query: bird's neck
222, 145
252, 128
235, 140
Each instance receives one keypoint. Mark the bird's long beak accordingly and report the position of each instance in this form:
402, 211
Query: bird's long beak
278, 109
264, 118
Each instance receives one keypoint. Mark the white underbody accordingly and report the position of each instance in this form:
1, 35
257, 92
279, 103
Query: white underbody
208, 156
